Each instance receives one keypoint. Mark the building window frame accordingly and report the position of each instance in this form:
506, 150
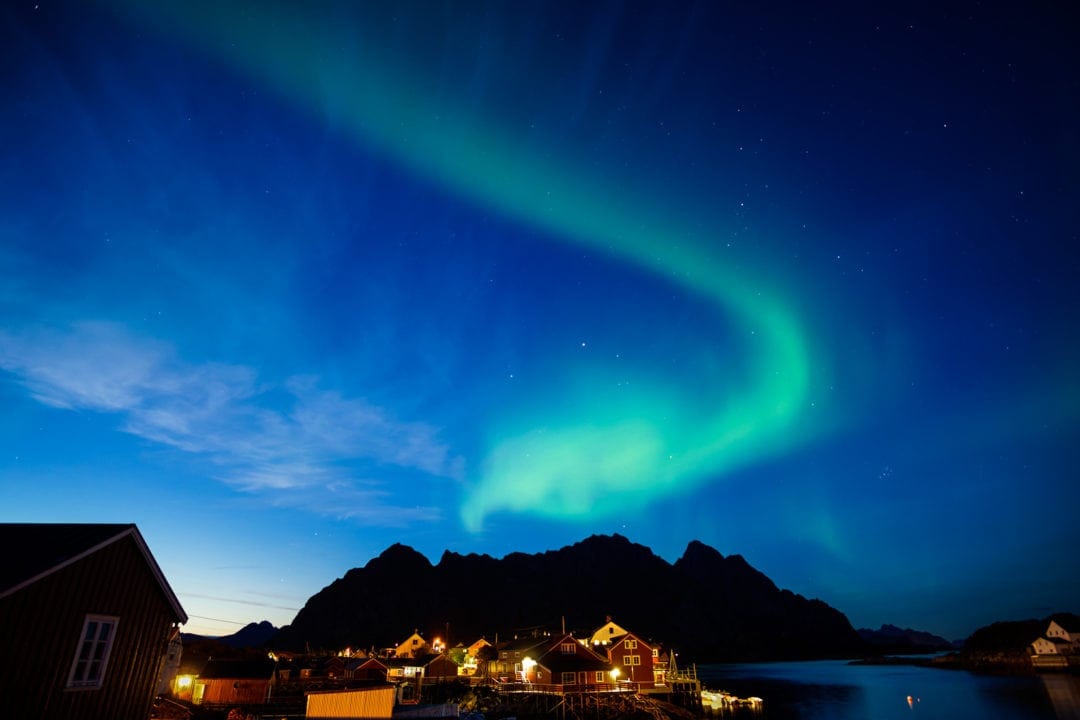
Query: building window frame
631, 644
92, 652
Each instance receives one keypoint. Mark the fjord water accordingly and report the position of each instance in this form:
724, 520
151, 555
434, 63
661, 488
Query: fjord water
835, 690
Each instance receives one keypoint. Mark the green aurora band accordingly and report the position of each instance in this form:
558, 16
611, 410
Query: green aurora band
656, 442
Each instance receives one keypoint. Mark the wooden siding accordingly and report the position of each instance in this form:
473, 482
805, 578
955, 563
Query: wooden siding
642, 673
39, 633
234, 691
367, 703
441, 667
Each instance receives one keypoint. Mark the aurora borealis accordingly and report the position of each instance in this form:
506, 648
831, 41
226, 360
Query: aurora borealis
493, 277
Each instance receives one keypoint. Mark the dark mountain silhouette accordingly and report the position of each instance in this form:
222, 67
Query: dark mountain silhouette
252, 635
705, 605
890, 639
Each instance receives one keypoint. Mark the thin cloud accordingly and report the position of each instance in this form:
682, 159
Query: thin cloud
220, 412
252, 603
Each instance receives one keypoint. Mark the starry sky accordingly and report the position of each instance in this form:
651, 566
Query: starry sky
285, 284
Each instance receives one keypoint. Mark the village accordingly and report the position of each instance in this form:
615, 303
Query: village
530, 674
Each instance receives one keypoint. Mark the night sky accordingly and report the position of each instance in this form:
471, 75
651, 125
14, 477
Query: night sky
285, 284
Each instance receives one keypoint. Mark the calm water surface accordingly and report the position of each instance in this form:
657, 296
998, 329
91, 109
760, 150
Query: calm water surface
835, 690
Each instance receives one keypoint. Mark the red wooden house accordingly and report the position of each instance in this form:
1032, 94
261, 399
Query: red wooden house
85, 621
633, 658
563, 661
233, 682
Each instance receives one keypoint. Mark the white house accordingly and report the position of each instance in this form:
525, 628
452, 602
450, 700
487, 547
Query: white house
1064, 631
1050, 646
1059, 646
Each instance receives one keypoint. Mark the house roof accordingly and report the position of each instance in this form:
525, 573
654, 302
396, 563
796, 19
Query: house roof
557, 662
421, 661
1068, 622
583, 658
46, 548
631, 636
524, 644
238, 669
1056, 640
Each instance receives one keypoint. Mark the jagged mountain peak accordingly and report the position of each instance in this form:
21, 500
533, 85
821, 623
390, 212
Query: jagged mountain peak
709, 606
697, 550
399, 554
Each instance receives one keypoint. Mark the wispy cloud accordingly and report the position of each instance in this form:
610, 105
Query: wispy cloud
292, 451
239, 601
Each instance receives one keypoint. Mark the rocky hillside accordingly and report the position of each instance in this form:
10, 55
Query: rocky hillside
890, 639
707, 606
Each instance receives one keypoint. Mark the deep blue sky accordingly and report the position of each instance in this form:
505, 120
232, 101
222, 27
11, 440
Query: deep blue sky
286, 284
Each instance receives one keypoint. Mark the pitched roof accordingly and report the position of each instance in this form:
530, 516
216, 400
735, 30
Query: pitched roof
557, 662
583, 658
524, 644
404, 662
1069, 623
240, 669
47, 547
630, 636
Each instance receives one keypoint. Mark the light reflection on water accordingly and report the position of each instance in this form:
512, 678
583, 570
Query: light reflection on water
833, 689
1064, 694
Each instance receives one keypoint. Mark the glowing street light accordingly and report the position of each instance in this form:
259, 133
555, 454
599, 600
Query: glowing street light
527, 664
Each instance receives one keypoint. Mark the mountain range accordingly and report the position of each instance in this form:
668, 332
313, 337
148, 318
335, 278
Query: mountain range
890, 639
250, 636
706, 606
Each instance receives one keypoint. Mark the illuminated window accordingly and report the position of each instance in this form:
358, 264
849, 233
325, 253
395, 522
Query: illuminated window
635, 659
627, 659
599, 676
656, 652
567, 648
92, 653
631, 644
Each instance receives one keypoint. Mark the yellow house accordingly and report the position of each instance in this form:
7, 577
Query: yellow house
606, 633
411, 646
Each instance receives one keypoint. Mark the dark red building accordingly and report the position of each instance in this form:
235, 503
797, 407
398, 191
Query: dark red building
633, 658
85, 621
